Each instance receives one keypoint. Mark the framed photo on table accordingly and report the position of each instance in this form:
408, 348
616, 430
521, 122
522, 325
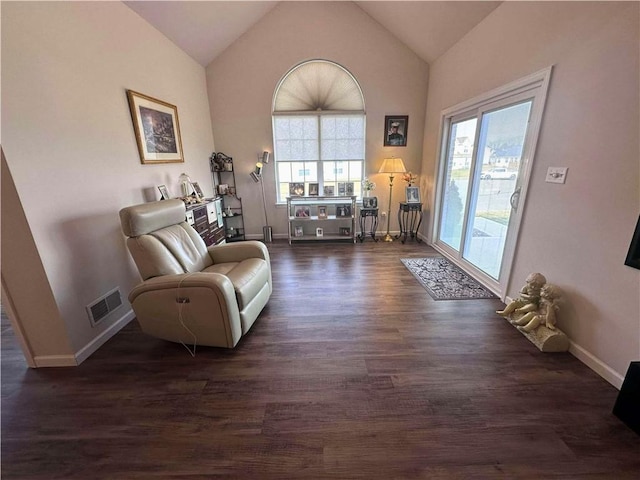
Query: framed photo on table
164, 193
322, 211
157, 129
413, 195
370, 202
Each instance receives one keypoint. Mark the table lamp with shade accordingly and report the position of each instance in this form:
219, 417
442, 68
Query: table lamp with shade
391, 166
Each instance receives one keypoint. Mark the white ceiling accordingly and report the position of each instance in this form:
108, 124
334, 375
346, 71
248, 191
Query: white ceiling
204, 29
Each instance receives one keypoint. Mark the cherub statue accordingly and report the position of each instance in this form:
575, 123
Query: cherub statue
549, 297
529, 296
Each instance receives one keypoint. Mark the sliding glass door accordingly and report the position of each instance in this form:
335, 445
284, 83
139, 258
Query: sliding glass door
485, 162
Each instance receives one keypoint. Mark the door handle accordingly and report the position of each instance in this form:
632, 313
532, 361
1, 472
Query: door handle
515, 199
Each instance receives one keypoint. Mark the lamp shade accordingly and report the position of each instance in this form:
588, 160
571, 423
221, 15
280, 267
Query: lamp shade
392, 165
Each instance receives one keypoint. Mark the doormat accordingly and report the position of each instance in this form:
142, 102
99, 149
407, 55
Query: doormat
445, 281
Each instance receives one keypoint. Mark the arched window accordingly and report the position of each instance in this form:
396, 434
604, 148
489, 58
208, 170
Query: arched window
319, 130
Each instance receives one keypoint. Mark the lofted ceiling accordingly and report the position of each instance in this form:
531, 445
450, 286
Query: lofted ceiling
204, 29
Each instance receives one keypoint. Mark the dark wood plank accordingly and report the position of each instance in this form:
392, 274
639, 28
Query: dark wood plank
352, 371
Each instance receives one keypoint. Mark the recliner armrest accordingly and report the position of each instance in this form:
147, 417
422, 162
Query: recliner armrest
214, 281
236, 252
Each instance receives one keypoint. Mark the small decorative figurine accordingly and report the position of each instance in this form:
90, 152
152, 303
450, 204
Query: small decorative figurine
546, 313
529, 296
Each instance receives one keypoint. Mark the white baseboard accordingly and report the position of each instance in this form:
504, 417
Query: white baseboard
597, 365
55, 361
84, 353
591, 361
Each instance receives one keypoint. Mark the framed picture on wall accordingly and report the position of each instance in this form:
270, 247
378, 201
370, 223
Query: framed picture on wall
157, 129
313, 189
395, 130
329, 190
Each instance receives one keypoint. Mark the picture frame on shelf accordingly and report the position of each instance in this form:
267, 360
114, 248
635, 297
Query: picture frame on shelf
349, 189
345, 231
197, 189
342, 189
343, 211
313, 190
302, 212
329, 190
319, 232
395, 130
370, 202
164, 192
322, 212
298, 231
157, 129
296, 189
413, 195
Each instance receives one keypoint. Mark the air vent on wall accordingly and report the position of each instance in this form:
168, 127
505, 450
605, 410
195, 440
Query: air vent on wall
103, 306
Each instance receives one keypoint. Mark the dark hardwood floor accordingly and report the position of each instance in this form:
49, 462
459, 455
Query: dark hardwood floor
352, 371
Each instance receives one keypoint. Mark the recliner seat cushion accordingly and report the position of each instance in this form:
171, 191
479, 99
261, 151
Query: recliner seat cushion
248, 277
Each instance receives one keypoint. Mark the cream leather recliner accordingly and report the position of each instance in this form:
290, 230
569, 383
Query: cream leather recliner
191, 293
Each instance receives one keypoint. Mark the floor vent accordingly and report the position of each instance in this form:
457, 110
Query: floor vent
102, 307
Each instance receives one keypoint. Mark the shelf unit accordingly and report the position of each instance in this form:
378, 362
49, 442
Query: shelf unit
224, 175
340, 214
206, 219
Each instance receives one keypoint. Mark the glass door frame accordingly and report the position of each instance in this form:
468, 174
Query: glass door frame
533, 87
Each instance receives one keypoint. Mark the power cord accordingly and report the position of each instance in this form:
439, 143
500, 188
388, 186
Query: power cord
182, 301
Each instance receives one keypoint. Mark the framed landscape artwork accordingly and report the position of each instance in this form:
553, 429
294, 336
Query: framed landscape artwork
157, 129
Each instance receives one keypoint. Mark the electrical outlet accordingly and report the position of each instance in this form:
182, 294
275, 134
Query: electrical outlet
383, 214
556, 175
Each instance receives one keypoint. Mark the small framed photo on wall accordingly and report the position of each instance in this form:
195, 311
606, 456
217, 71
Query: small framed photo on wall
395, 130
322, 211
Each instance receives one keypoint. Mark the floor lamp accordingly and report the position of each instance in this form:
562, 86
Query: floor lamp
391, 166
256, 175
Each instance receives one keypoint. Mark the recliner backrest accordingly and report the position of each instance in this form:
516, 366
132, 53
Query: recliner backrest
161, 242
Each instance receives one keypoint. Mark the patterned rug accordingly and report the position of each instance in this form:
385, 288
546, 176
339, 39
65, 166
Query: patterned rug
444, 280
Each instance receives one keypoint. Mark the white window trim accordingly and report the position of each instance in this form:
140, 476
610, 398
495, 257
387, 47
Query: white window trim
467, 109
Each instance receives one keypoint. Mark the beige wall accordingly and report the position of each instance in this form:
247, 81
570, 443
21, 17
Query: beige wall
70, 146
577, 234
242, 80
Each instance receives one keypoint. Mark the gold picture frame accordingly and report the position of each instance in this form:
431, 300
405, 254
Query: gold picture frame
157, 129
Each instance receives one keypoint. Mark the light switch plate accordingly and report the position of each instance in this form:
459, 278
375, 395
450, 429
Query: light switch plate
556, 175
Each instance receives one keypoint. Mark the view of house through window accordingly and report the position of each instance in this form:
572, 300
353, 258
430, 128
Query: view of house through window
319, 131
